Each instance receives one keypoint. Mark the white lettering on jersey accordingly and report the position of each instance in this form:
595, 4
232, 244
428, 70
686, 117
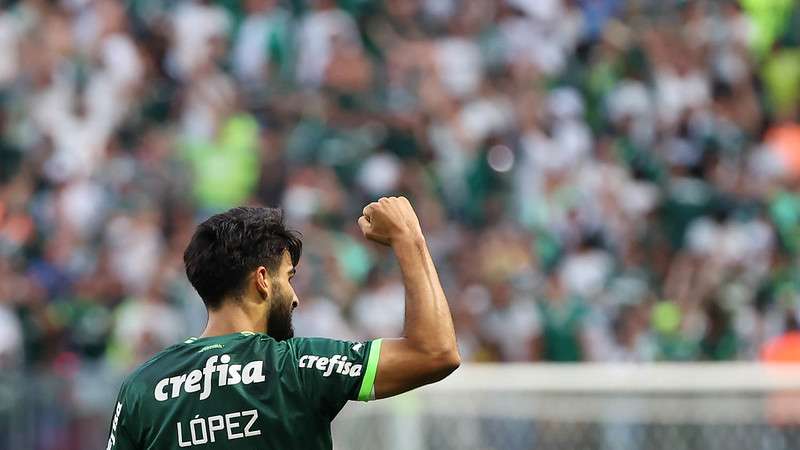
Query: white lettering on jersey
247, 428
199, 380
201, 430
335, 364
112, 438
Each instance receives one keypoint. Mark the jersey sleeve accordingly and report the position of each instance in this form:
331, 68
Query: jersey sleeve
333, 372
120, 436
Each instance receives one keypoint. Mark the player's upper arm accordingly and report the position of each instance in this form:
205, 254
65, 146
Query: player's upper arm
402, 367
333, 372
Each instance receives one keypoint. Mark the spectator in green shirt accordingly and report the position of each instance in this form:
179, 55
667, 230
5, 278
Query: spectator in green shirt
226, 169
562, 314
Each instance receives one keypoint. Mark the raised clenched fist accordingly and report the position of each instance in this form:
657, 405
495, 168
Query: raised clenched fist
390, 220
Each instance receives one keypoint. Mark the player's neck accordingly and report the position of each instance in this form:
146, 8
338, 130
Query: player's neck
234, 317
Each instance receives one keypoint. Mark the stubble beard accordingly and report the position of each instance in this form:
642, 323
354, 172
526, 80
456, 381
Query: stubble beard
279, 322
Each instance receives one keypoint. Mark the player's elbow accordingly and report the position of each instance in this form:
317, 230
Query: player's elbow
446, 362
453, 361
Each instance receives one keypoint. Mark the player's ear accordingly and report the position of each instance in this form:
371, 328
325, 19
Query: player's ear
262, 281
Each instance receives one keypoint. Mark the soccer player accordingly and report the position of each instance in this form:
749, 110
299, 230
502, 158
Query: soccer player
246, 382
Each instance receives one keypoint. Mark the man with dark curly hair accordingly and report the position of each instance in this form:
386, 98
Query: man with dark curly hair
246, 382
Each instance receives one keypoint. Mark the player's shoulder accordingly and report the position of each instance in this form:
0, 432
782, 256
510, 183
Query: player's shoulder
320, 342
146, 370
302, 347
189, 352
185, 355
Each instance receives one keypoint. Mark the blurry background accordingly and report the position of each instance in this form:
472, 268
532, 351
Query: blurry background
599, 180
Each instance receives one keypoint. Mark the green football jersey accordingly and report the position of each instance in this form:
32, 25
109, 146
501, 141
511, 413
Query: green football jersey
242, 391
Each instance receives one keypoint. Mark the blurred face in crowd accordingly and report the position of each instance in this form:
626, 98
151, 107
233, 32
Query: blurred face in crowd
555, 290
259, 6
323, 4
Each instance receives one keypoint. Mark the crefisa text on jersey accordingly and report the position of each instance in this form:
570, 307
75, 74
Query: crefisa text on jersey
194, 381
336, 363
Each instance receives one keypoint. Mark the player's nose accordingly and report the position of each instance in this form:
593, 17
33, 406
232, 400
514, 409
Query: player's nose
295, 302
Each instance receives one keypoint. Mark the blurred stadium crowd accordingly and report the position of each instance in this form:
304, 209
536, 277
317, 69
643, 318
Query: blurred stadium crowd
599, 179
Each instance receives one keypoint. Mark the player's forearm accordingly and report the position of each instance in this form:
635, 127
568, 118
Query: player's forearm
428, 324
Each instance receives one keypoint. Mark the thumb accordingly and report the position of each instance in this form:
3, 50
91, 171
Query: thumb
366, 228
364, 224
